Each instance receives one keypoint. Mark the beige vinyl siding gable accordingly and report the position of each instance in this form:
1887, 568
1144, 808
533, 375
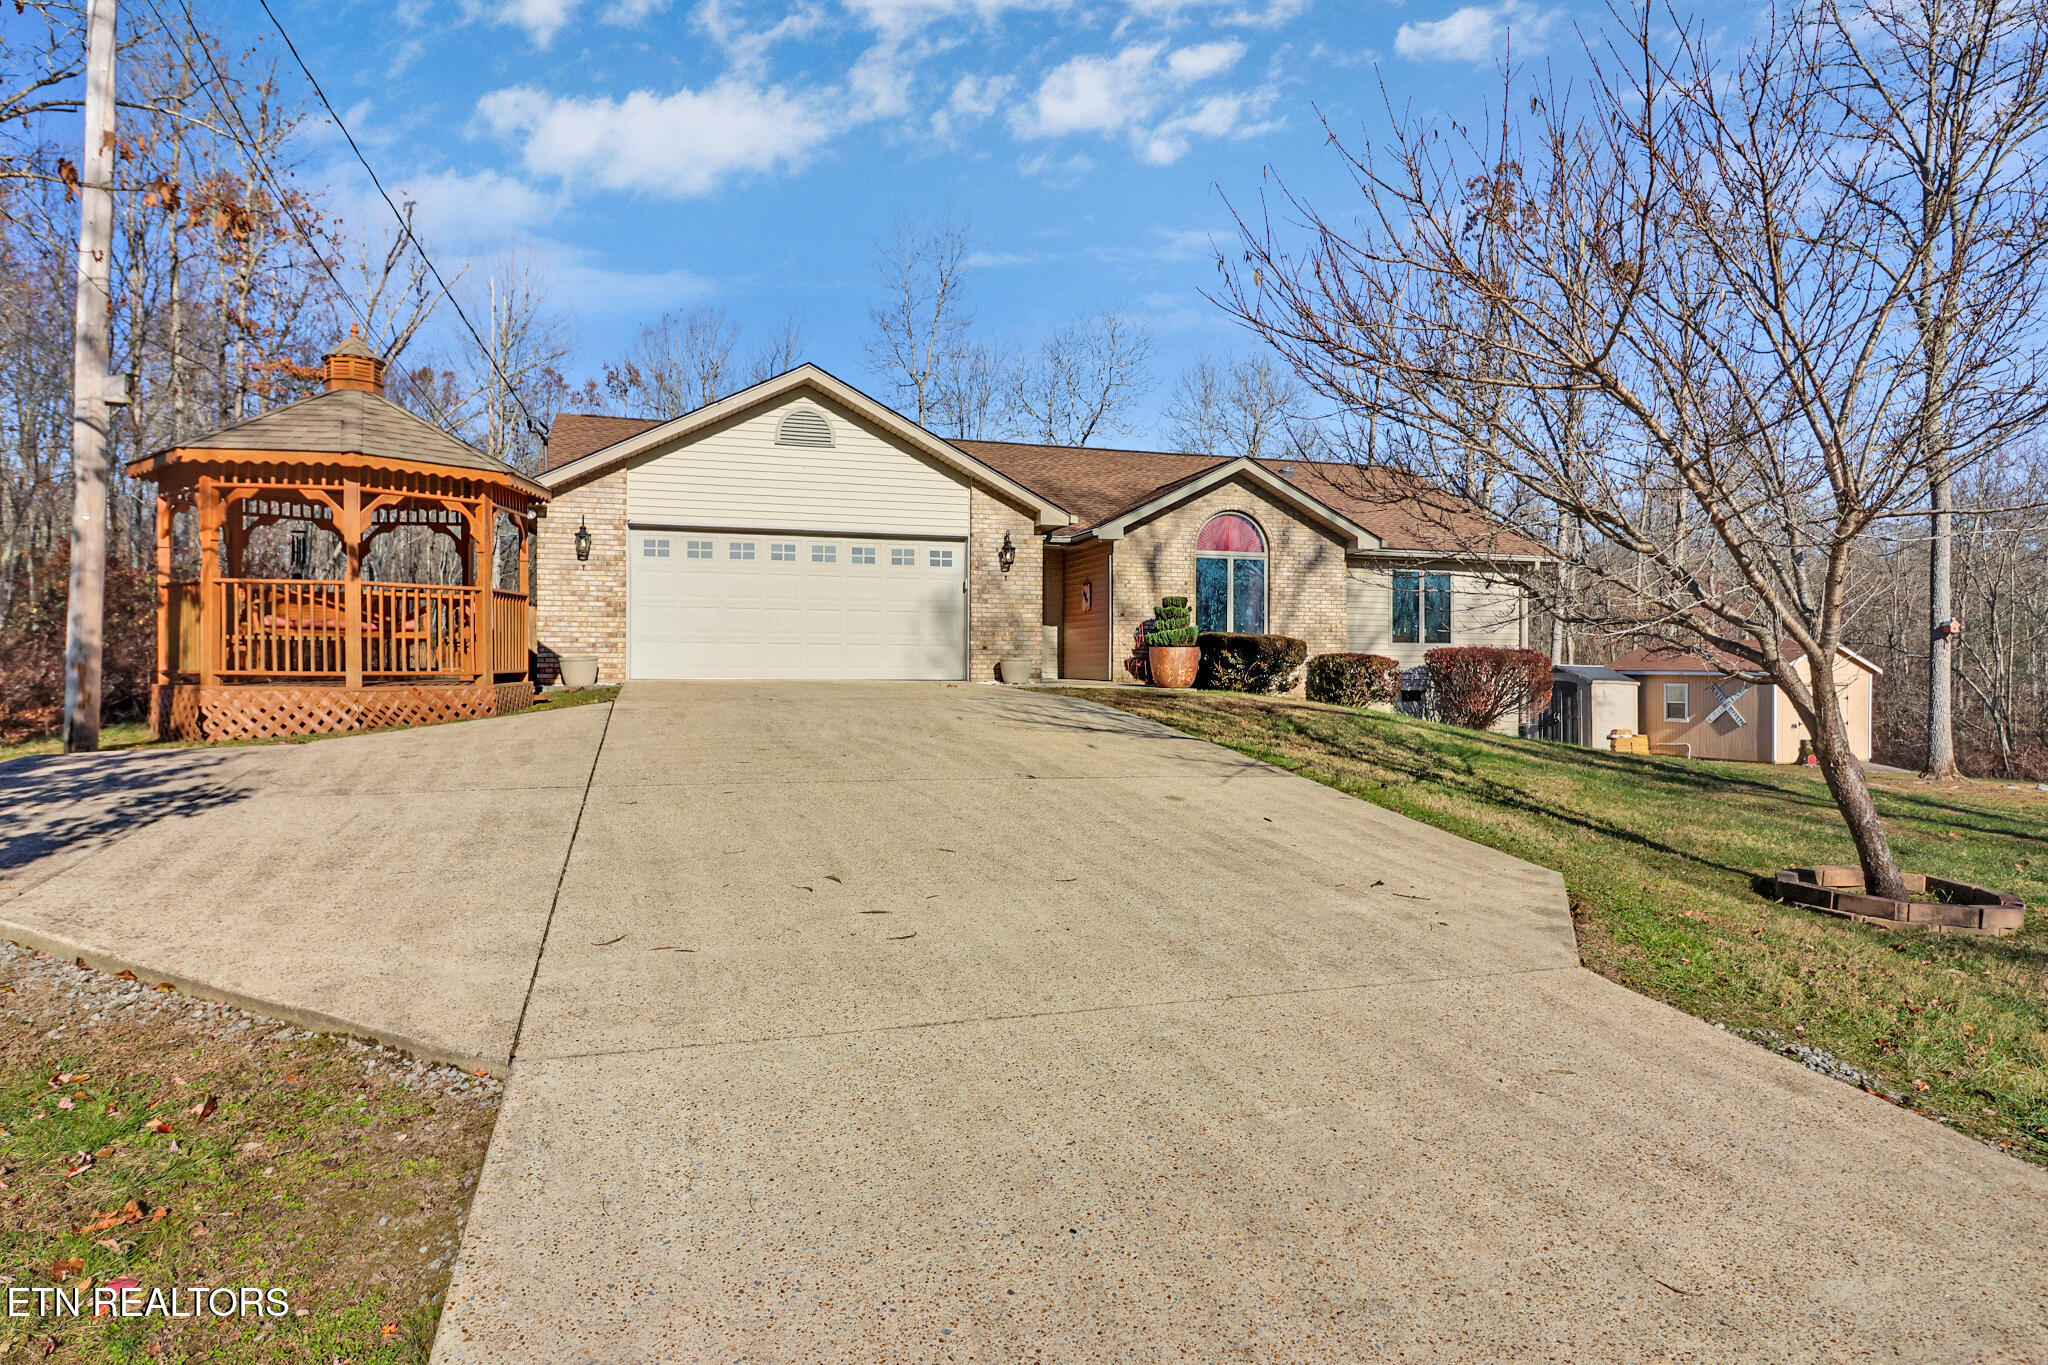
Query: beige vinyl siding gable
1484, 610
735, 476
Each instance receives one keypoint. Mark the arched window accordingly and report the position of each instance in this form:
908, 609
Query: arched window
1230, 575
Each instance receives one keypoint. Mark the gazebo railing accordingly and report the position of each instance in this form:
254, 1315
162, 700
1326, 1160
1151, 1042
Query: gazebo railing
295, 628
511, 631
412, 630
280, 628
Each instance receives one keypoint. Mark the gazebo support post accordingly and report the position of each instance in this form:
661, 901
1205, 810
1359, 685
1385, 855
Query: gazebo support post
352, 584
212, 622
485, 576
163, 592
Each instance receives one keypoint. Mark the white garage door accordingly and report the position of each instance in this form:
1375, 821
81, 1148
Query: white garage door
711, 604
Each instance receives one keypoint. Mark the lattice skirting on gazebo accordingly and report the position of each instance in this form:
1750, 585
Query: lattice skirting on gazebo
272, 710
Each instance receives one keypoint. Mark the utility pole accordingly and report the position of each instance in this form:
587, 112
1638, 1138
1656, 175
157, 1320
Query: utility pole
89, 409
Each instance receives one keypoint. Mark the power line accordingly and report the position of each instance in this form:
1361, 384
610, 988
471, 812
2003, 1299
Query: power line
230, 113
404, 224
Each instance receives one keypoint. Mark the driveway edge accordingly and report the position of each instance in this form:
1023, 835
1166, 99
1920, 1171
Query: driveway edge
87, 955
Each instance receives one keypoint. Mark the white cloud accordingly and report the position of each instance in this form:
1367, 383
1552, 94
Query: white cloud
1142, 92
1270, 15
1057, 172
542, 19
686, 143
898, 17
1199, 63
628, 13
973, 100
880, 82
1477, 33
747, 48
471, 209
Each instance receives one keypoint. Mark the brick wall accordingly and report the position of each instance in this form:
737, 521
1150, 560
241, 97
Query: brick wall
1305, 582
581, 605
1005, 611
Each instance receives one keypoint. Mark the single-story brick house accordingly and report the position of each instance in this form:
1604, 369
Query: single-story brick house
800, 529
1715, 706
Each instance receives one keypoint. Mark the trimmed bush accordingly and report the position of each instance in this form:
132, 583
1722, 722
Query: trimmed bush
1233, 662
1173, 625
1353, 679
1479, 687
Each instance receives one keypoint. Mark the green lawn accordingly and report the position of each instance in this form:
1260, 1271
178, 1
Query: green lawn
148, 1139
1664, 860
135, 734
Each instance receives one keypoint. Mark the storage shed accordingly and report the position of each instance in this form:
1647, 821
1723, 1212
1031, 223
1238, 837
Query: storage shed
1718, 707
1588, 702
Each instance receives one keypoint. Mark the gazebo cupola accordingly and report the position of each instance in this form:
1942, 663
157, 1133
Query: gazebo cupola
422, 609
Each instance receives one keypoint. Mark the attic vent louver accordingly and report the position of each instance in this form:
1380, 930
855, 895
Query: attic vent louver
804, 427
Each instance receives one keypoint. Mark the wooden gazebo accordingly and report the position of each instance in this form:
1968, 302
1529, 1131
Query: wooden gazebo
243, 655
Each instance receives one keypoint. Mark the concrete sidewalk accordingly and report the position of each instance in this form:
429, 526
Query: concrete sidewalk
393, 885
915, 1022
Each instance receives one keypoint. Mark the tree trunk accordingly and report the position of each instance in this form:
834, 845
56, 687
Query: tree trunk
1851, 790
1941, 729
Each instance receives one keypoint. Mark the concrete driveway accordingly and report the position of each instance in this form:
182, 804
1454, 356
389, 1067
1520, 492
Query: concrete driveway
925, 1022
392, 885
897, 1023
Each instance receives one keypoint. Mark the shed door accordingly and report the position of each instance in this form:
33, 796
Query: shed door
715, 604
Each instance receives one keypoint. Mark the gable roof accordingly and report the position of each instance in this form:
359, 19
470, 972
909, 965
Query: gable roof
1095, 490
1670, 658
1401, 511
654, 433
344, 422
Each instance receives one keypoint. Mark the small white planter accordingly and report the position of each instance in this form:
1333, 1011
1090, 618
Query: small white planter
579, 670
1016, 670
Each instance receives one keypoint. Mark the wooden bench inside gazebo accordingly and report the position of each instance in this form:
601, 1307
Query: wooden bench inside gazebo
251, 642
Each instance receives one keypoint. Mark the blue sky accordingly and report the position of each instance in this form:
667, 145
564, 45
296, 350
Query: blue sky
650, 155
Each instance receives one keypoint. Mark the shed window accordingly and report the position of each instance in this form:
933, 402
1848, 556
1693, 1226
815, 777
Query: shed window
1230, 575
1678, 701
803, 427
1422, 608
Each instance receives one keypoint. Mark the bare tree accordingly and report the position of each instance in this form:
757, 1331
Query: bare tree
920, 325
782, 351
1245, 405
1949, 102
394, 290
677, 365
1084, 381
974, 390
499, 398
1674, 258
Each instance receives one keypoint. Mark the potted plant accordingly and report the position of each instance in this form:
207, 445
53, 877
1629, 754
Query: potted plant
1170, 653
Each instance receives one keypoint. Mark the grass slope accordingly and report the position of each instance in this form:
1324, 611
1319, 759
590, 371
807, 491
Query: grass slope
336, 1172
1663, 859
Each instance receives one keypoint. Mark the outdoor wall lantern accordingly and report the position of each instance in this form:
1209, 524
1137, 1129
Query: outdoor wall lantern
1006, 556
582, 540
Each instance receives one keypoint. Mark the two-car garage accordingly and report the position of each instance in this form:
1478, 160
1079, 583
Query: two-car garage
721, 604
794, 530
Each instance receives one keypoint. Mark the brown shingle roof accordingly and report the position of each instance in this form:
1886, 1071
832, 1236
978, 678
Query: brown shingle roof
1670, 658
1401, 509
576, 434
343, 421
1095, 484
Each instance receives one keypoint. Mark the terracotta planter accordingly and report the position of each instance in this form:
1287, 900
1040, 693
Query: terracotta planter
1173, 665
